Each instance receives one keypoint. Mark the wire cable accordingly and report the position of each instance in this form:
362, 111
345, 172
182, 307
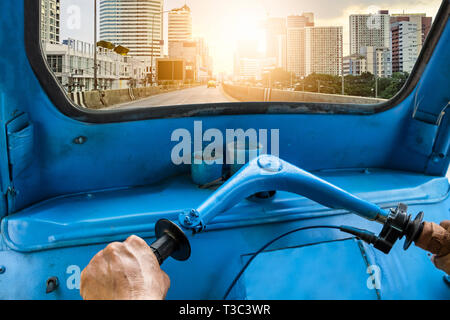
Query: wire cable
236, 279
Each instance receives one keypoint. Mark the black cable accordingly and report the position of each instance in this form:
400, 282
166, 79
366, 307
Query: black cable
236, 279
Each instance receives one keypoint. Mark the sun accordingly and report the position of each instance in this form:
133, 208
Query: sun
248, 26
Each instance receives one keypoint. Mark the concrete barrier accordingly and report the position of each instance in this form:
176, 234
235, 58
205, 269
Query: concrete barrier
117, 96
248, 94
107, 98
94, 99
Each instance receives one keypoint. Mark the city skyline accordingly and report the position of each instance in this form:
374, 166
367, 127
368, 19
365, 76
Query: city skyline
244, 19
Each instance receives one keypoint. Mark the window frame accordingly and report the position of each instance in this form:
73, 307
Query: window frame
61, 100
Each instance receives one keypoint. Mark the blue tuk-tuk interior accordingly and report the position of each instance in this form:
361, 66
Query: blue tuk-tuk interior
75, 178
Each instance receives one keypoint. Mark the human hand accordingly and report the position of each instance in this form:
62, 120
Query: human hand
124, 271
436, 239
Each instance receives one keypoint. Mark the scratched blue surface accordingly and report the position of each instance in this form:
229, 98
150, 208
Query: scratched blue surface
310, 272
58, 218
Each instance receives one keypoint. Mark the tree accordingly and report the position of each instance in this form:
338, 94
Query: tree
362, 85
396, 83
281, 75
278, 75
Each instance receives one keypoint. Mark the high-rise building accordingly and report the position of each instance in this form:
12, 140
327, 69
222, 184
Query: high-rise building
180, 28
296, 45
369, 30
50, 21
180, 24
136, 25
296, 50
205, 60
405, 46
315, 50
420, 19
408, 34
276, 44
309, 19
301, 21
323, 50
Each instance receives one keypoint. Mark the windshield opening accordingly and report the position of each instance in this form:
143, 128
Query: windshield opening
123, 54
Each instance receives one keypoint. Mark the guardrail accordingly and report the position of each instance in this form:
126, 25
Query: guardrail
106, 98
254, 94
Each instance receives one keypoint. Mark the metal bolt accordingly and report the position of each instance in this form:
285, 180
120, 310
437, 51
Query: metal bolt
2, 269
194, 213
187, 220
269, 164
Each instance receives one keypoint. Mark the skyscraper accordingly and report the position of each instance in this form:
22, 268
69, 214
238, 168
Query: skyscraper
405, 46
137, 25
296, 49
408, 34
420, 19
295, 41
301, 21
369, 30
180, 24
180, 27
203, 53
323, 50
315, 50
276, 45
50, 21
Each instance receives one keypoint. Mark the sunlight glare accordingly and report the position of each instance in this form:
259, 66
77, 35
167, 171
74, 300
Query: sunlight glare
248, 25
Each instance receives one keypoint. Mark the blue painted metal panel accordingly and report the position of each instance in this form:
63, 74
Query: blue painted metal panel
119, 157
428, 106
309, 273
216, 259
111, 215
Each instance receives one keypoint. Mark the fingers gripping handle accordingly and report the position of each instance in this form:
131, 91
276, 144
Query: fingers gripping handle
434, 239
171, 242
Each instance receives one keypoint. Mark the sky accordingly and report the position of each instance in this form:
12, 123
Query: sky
222, 23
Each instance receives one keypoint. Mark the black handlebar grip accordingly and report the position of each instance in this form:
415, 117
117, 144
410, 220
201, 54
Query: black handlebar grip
171, 242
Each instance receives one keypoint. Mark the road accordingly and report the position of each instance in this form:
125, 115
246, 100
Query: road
197, 95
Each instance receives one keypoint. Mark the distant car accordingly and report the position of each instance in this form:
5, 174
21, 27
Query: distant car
211, 84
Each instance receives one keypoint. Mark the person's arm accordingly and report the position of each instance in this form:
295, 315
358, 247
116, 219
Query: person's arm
436, 239
124, 271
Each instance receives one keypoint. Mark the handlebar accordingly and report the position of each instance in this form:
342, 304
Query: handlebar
267, 173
